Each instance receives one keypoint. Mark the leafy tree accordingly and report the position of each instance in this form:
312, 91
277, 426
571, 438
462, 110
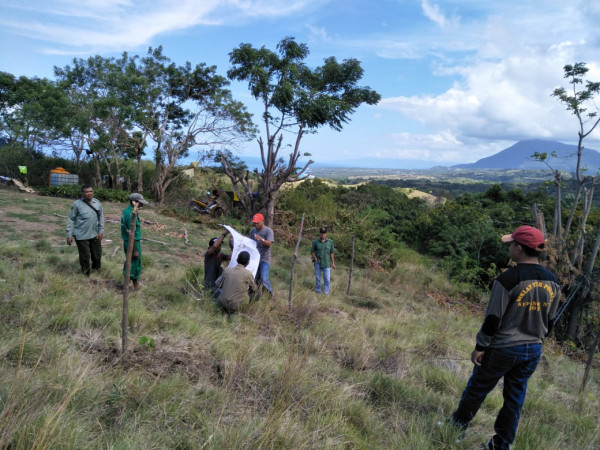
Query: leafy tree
128, 105
580, 100
101, 121
297, 100
182, 107
32, 112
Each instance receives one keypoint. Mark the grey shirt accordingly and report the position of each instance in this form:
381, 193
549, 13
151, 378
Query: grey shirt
267, 234
83, 222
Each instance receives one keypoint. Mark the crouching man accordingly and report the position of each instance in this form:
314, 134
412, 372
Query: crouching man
236, 284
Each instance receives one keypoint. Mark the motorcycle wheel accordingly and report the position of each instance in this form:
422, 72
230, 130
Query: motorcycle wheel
218, 212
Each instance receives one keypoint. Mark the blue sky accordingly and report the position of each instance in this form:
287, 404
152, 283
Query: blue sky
459, 79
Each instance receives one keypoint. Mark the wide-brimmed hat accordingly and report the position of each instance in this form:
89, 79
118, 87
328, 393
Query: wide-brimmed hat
529, 236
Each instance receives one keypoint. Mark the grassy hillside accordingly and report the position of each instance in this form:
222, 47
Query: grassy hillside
376, 369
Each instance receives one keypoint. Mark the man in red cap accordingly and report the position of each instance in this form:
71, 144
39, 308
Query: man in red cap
263, 235
519, 316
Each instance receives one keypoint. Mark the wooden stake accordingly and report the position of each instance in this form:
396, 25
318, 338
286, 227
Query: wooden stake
588, 364
294, 258
130, 241
351, 268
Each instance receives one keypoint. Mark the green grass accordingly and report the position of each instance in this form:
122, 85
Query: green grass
374, 369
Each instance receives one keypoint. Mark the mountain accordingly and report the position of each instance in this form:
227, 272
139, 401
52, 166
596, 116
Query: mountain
519, 156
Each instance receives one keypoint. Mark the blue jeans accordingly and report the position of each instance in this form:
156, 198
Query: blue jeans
516, 364
263, 276
326, 278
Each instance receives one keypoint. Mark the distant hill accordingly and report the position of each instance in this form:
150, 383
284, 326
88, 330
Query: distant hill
518, 156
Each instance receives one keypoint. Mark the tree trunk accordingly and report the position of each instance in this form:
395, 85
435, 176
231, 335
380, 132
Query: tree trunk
270, 209
573, 323
140, 183
98, 180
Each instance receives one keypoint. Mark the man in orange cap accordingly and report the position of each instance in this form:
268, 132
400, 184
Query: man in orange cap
263, 235
519, 316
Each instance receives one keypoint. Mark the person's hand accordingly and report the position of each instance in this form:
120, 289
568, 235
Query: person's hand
69, 241
476, 357
100, 236
226, 232
333, 266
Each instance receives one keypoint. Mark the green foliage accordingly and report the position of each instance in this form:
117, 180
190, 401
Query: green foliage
297, 100
74, 191
145, 341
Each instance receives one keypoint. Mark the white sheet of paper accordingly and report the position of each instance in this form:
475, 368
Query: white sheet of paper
242, 243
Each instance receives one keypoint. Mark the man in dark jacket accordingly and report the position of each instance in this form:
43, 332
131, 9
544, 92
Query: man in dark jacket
519, 316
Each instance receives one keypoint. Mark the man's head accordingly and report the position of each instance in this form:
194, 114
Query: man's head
87, 192
139, 198
323, 233
530, 239
243, 258
258, 220
212, 242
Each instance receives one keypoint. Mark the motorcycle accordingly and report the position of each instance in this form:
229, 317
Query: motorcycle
213, 207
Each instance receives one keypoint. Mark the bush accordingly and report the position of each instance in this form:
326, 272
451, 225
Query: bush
74, 191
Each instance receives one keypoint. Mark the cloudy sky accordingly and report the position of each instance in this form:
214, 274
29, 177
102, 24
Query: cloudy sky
459, 79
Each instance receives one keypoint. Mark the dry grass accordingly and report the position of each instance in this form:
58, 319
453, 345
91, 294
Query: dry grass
375, 369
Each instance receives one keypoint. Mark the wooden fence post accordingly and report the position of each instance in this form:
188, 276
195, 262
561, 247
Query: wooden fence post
351, 268
130, 241
294, 258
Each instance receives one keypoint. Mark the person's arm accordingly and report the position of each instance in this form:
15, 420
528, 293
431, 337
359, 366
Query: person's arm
313, 251
331, 255
211, 250
499, 298
264, 242
71, 223
252, 284
100, 222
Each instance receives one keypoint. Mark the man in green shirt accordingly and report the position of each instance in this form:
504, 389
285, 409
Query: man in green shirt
322, 251
85, 223
136, 259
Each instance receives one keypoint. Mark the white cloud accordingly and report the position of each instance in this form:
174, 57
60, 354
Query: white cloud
439, 148
434, 13
503, 89
70, 26
318, 34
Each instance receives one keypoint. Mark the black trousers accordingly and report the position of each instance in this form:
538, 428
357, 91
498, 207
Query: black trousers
89, 249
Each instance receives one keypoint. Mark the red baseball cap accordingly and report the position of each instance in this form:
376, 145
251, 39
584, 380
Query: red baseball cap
528, 236
258, 217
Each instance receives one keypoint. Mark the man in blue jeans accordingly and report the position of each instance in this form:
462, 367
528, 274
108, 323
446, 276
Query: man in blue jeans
264, 237
322, 251
519, 316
